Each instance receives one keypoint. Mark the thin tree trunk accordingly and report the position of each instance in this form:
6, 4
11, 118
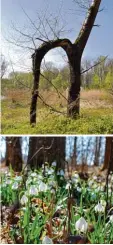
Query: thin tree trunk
97, 151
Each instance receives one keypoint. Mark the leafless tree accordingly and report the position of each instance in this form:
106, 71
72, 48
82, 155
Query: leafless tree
4, 66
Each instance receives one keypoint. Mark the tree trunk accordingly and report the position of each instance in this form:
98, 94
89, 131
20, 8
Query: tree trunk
46, 149
73, 107
14, 153
111, 157
97, 151
107, 152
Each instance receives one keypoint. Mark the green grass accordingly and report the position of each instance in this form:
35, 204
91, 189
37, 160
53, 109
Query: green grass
15, 120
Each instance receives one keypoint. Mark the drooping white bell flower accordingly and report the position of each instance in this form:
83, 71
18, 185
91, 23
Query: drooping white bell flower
34, 174
24, 200
79, 189
53, 164
18, 178
50, 171
15, 186
47, 240
81, 225
42, 187
33, 190
111, 218
99, 208
8, 181
68, 186
61, 173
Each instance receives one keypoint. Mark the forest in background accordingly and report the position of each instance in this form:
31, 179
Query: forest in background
100, 76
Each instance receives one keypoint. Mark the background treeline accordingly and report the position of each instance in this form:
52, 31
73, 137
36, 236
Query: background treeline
99, 77
35, 151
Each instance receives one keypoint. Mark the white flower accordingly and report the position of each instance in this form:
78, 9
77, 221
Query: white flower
61, 173
95, 177
33, 190
78, 189
50, 171
42, 187
34, 174
15, 186
99, 208
111, 218
47, 240
90, 182
76, 176
24, 199
18, 178
8, 181
54, 164
68, 186
81, 225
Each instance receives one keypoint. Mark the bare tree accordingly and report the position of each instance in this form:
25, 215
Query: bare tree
74, 53
4, 66
47, 33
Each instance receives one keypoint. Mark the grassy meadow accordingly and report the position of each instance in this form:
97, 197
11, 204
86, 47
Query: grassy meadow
96, 114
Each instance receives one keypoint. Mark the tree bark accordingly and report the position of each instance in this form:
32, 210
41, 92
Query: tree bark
108, 146
74, 52
14, 153
97, 151
46, 149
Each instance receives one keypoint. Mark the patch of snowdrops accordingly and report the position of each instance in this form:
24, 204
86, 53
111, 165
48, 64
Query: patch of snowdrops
45, 194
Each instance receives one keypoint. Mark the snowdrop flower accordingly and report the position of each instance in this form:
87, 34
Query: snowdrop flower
81, 225
68, 186
15, 186
76, 176
95, 177
8, 181
47, 240
42, 187
18, 178
78, 189
50, 171
75, 180
99, 208
111, 218
53, 191
53, 164
24, 199
61, 173
90, 182
33, 190
34, 174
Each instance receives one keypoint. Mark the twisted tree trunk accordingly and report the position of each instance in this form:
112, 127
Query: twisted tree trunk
74, 53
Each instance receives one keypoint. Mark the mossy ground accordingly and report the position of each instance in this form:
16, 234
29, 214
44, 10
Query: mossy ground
15, 120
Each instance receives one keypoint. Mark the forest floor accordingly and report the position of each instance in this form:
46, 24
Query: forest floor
96, 115
77, 208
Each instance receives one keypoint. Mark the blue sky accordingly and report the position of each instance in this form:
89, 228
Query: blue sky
100, 41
